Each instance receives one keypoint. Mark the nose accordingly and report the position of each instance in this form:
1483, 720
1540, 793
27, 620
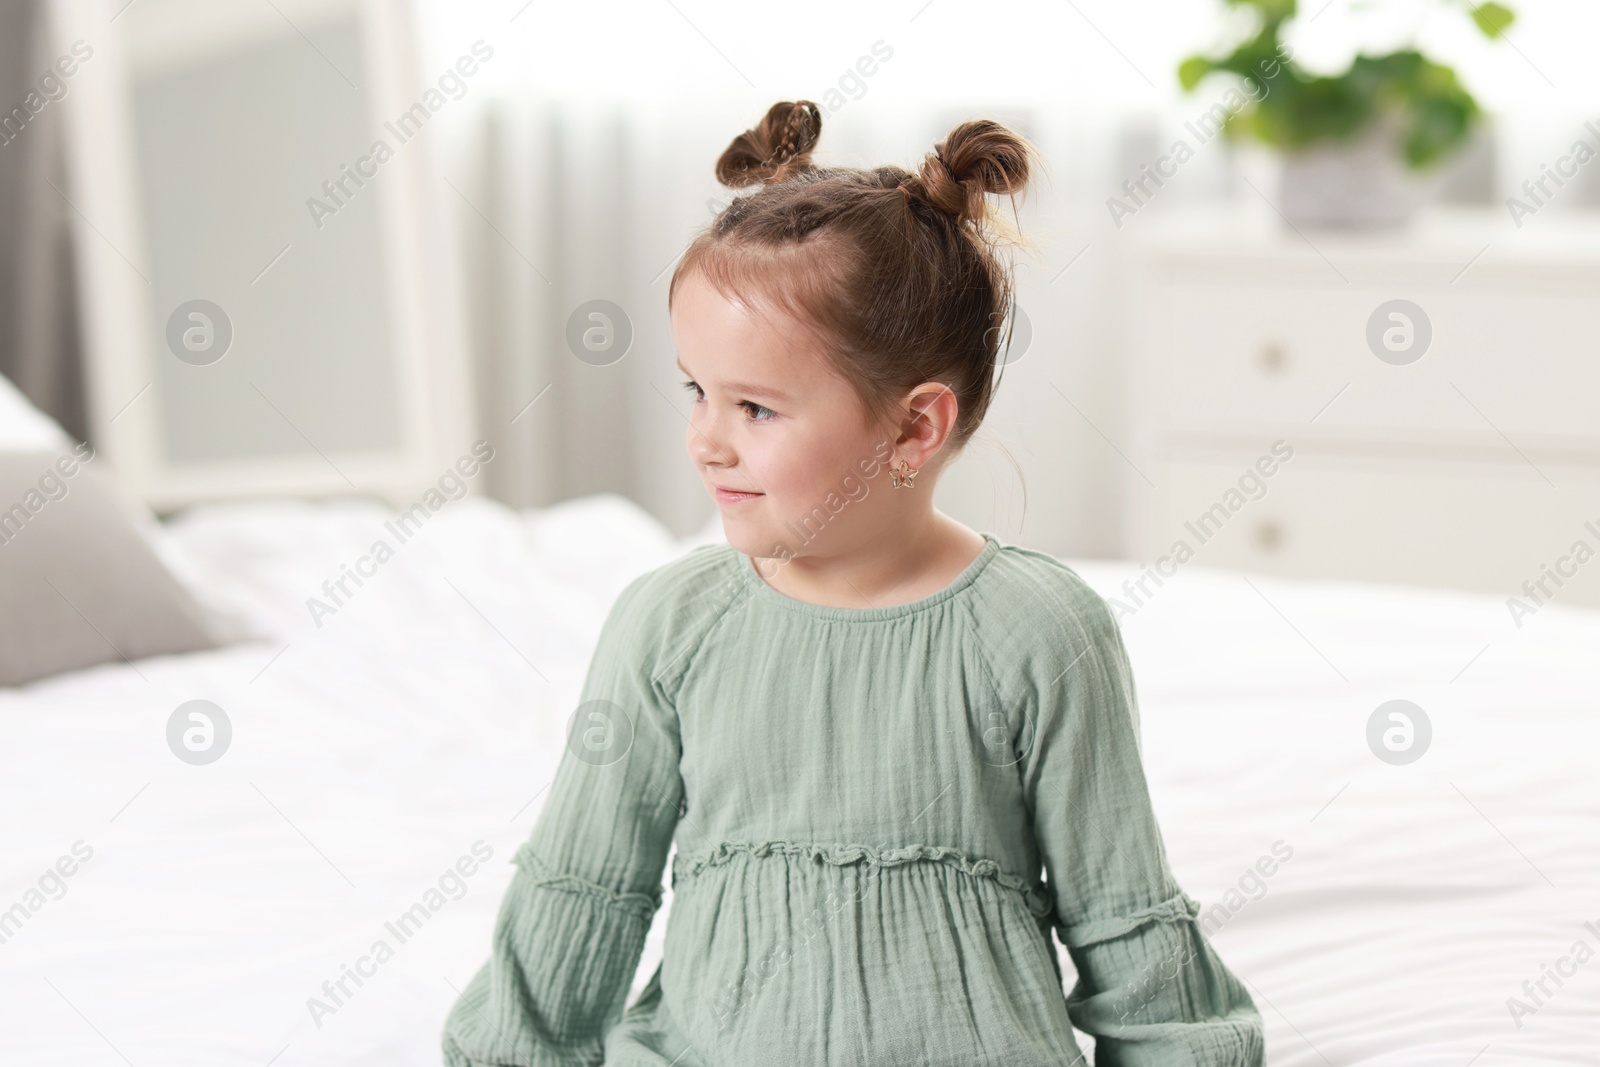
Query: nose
704, 442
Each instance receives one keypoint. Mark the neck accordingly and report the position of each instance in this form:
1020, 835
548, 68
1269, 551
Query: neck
925, 552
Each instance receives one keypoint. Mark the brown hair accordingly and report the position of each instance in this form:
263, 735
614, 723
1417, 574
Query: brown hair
896, 271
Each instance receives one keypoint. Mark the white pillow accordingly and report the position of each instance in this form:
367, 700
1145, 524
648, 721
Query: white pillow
163, 602
24, 428
79, 586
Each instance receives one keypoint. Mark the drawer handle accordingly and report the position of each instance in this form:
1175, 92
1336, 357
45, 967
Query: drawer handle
1274, 357
1269, 535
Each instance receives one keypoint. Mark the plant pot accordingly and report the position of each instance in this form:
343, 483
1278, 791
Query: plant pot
1362, 183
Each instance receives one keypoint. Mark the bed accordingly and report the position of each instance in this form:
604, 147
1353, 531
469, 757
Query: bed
391, 754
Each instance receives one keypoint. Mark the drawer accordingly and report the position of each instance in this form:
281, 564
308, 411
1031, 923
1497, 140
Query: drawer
1484, 528
1520, 370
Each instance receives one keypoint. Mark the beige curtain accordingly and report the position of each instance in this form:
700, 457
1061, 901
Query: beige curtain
40, 349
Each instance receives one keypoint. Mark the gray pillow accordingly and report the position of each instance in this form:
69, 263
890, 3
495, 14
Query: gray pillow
79, 586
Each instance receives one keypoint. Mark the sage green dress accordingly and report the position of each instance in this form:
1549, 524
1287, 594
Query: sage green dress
863, 802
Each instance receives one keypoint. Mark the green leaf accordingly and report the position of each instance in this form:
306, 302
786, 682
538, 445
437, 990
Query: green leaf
1275, 11
1296, 110
1492, 18
1191, 70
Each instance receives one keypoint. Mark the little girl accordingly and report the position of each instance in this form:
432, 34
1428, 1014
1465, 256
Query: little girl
867, 729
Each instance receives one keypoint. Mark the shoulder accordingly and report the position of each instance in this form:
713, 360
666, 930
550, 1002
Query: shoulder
683, 584
1062, 644
1042, 626
667, 611
1043, 598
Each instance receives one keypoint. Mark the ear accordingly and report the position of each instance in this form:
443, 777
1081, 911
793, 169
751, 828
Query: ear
930, 417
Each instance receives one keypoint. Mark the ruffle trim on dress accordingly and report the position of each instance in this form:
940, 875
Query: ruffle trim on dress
844, 855
643, 905
1091, 931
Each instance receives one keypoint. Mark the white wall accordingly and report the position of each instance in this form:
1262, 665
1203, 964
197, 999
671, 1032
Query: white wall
658, 89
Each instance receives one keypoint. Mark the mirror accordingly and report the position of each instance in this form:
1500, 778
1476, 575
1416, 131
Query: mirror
268, 303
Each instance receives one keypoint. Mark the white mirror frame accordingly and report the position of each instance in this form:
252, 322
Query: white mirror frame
120, 336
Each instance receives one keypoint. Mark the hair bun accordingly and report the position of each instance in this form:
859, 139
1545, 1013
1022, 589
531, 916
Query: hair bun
977, 158
775, 148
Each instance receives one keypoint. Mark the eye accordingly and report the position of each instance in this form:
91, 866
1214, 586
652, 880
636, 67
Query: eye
751, 406
755, 409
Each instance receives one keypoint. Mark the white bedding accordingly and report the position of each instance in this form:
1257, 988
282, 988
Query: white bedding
427, 712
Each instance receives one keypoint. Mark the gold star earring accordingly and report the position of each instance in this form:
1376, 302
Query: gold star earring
903, 475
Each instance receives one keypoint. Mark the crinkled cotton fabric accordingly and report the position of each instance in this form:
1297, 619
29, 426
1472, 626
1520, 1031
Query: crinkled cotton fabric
877, 819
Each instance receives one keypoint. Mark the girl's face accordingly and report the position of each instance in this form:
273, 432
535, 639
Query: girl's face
771, 418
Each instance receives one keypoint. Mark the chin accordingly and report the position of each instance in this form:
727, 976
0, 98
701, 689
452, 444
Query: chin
749, 538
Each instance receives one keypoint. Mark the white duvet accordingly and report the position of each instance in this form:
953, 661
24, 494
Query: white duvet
211, 911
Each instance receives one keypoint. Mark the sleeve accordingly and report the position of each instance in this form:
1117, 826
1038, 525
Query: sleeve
1151, 990
570, 930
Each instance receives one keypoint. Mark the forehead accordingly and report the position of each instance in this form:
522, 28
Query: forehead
727, 342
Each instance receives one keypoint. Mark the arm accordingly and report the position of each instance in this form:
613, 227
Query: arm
571, 927
1151, 990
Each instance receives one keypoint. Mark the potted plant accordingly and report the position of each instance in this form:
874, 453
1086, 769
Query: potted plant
1359, 148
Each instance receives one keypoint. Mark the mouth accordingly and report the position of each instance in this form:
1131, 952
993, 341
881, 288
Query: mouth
732, 496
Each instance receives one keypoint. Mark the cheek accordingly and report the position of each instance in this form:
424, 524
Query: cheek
778, 461
801, 469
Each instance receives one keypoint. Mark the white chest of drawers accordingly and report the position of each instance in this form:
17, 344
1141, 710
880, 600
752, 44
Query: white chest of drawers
1474, 466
